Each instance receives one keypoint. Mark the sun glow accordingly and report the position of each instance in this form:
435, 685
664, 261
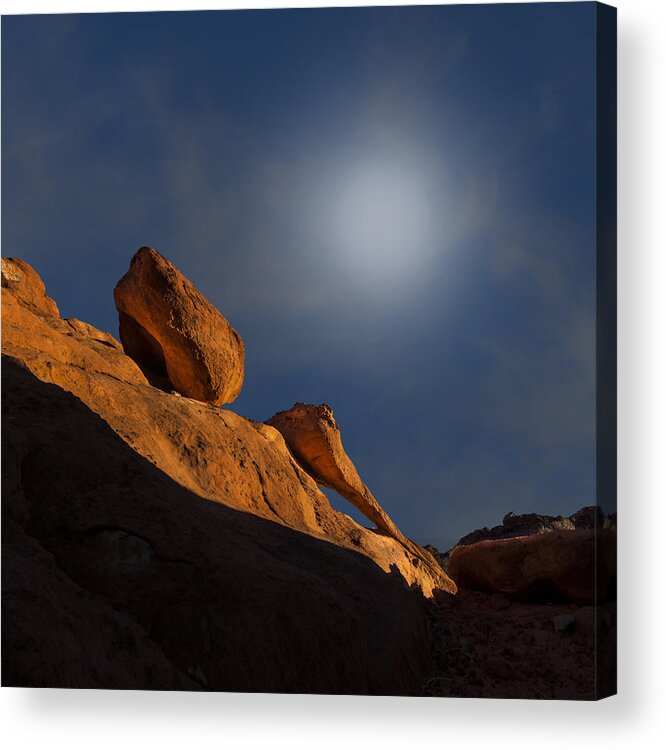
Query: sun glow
382, 216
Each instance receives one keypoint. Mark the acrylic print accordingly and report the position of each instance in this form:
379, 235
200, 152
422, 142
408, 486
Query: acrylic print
308, 336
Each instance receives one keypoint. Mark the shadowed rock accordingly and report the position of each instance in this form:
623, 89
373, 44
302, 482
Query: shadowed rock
152, 541
212, 452
175, 334
514, 525
115, 576
577, 566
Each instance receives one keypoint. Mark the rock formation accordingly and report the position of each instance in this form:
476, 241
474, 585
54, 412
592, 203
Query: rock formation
175, 334
155, 541
22, 279
116, 576
514, 524
313, 436
576, 566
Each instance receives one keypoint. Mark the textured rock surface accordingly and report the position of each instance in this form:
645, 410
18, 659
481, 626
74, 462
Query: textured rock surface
175, 334
73, 354
156, 541
313, 436
210, 451
513, 524
27, 285
152, 541
577, 566
114, 575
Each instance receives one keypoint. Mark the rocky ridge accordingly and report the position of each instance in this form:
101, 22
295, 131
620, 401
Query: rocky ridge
154, 540
179, 538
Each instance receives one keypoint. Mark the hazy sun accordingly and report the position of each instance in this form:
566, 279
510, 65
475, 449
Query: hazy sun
383, 219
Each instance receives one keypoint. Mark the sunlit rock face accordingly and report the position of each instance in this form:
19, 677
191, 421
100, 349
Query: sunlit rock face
27, 285
178, 338
173, 544
177, 545
214, 453
313, 436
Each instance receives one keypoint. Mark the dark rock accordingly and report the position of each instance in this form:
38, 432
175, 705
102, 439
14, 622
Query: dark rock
563, 623
590, 517
499, 602
514, 525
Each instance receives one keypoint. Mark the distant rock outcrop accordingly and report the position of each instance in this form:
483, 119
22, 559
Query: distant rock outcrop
514, 525
313, 436
576, 565
175, 334
534, 555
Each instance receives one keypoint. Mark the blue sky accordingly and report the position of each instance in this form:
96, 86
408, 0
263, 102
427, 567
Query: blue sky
393, 206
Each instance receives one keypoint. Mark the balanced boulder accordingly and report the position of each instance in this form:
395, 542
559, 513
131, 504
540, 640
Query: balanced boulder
313, 436
175, 334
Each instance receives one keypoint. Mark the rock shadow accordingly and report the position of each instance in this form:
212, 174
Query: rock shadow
114, 575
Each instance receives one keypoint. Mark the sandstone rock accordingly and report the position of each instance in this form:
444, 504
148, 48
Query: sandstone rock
85, 330
158, 542
313, 436
56, 634
209, 451
117, 576
73, 354
175, 334
22, 279
578, 566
